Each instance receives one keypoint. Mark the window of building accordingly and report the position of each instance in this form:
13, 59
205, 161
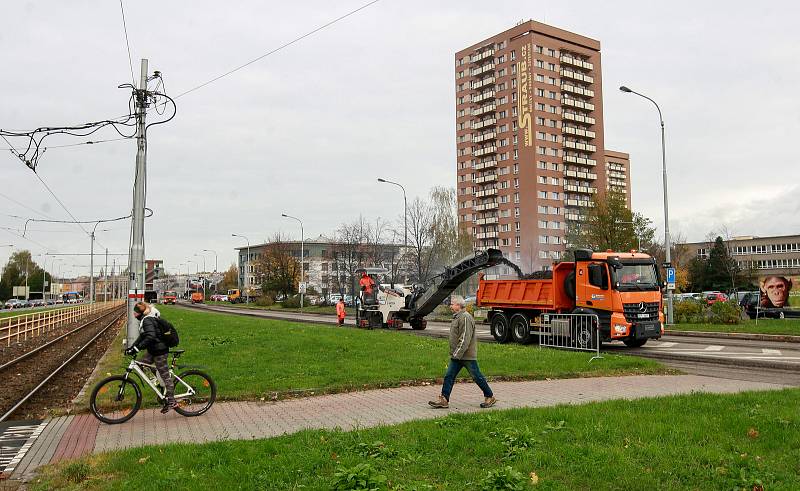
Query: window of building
555, 225
542, 209
539, 78
513, 83
554, 138
502, 114
501, 59
552, 210
551, 66
505, 242
540, 92
513, 55
554, 239
541, 179
517, 241
516, 197
513, 69
553, 195
516, 182
551, 94
554, 181
539, 64
516, 168
552, 81
543, 239
501, 72
551, 52
541, 165
541, 194
542, 224
516, 212
539, 49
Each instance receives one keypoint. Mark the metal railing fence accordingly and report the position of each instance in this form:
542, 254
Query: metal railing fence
29, 325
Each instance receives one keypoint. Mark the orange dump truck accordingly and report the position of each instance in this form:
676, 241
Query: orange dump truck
622, 288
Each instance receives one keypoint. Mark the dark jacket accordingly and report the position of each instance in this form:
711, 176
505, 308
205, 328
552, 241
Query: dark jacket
149, 338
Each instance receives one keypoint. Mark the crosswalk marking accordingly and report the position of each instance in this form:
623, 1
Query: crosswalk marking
714, 347
767, 351
664, 344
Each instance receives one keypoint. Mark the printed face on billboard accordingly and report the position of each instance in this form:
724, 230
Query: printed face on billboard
775, 291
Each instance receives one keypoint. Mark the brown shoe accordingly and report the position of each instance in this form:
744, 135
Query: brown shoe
489, 402
441, 403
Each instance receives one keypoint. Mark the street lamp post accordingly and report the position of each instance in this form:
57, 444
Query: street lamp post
667, 245
405, 208
246, 263
215, 257
302, 255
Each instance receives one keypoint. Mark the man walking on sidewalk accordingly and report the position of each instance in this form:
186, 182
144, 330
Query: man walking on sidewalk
463, 354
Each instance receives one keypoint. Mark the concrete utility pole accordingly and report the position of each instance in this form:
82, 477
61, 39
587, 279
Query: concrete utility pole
136, 257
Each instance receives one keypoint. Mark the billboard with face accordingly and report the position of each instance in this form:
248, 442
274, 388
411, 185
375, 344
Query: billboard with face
776, 297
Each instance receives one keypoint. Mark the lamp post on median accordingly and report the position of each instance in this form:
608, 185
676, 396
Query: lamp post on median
215, 257
667, 245
405, 208
245, 265
302, 255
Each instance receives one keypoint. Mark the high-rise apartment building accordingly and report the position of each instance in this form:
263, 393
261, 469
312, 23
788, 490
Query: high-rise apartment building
529, 136
618, 171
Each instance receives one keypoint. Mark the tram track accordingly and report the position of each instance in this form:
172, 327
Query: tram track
32, 373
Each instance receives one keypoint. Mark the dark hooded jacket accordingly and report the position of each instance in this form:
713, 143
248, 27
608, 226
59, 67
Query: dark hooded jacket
149, 335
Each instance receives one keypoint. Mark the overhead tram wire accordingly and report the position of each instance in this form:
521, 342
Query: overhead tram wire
285, 45
127, 42
74, 220
90, 142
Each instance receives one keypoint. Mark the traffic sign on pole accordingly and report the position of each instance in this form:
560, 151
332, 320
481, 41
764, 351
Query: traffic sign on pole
670, 278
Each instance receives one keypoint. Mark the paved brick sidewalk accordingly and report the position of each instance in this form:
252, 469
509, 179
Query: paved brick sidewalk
248, 420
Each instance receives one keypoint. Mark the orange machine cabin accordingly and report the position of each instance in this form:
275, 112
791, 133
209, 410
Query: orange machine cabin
197, 297
544, 294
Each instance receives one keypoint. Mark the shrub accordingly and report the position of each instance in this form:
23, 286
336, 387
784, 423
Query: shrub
265, 301
442, 311
360, 477
725, 313
689, 312
505, 478
291, 302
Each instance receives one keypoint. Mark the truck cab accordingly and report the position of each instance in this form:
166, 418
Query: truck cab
169, 298
624, 290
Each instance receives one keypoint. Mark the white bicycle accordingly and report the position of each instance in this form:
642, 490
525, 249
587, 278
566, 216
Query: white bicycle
117, 398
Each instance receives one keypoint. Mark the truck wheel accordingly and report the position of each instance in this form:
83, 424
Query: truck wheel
634, 343
418, 324
521, 329
500, 329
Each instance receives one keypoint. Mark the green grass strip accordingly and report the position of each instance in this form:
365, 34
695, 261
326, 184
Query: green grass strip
789, 327
699, 441
253, 358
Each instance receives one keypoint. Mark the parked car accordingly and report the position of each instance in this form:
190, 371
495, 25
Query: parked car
15, 303
714, 297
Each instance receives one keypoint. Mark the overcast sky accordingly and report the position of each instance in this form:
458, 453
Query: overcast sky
308, 130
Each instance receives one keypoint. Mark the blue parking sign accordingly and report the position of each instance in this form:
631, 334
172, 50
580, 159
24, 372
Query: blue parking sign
670, 278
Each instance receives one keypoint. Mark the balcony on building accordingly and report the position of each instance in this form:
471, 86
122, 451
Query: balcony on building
488, 235
580, 118
485, 150
486, 164
486, 192
487, 221
577, 103
485, 123
483, 55
484, 109
579, 160
482, 82
578, 202
580, 175
575, 61
484, 96
580, 189
487, 178
582, 77
492, 205
575, 89
575, 217
477, 72
571, 130
489, 135
586, 147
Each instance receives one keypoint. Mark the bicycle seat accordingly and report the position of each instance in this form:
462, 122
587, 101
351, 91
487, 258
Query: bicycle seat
177, 351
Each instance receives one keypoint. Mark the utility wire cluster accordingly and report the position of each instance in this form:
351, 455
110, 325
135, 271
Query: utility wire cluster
32, 150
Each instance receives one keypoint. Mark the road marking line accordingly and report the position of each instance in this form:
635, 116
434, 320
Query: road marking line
664, 344
714, 347
767, 351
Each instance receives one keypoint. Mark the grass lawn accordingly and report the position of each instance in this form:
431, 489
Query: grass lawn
253, 358
764, 326
308, 309
698, 441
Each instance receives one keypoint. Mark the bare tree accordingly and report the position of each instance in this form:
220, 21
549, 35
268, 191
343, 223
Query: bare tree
350, 252
423, 248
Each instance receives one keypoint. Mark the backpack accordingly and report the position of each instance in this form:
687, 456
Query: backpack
167, 332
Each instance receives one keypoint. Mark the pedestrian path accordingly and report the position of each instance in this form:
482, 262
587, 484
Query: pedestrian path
70, 437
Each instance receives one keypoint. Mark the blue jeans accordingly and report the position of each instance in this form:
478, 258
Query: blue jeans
455, 367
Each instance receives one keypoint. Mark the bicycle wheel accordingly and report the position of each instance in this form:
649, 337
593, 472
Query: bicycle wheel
115, 399
205, 393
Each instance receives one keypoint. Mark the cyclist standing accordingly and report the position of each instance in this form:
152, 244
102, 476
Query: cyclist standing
157, 351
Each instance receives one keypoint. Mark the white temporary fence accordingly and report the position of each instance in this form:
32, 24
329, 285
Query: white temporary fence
570, 331
29, 325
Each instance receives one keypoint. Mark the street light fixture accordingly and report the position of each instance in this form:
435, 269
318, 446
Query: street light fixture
667, 245
302, 255
405, 207
246, 264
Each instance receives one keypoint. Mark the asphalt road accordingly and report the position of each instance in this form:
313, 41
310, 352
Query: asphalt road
713, 356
